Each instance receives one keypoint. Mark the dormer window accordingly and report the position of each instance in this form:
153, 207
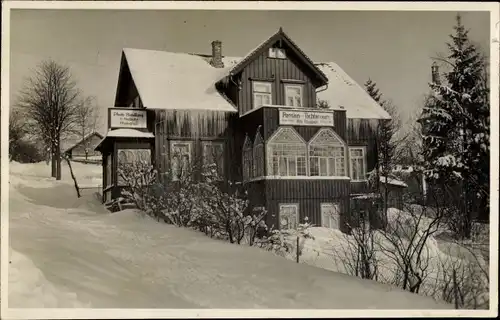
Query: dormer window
293, 95
277, 53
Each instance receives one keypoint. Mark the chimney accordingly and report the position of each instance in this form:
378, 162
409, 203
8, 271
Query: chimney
217, 54
435, 73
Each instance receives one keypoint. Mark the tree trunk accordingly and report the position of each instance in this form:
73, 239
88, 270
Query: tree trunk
58, 160
53, 160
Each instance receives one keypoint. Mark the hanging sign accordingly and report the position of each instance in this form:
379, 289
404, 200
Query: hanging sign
306, 118
121, 118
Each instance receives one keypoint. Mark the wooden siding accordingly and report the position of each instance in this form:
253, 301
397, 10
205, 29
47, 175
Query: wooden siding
278, 71
309, 194
195, 126
126, 90
363, 132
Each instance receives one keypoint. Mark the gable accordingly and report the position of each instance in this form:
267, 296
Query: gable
280, 39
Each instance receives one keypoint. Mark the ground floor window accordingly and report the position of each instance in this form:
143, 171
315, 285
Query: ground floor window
258, 156
131, 157
180, 158
330, 215
287, 154
289, 215
213, 154
247, 155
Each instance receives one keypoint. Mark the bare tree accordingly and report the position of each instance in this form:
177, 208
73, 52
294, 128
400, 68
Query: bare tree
50, 100
17, 130
405, 242
87, 116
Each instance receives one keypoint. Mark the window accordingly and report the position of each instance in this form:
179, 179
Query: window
213, 154
286, 154
258, 156
277, 53
247, 155
289, 216
330, 215
326, 154
131, 157
180, 159
358, 163
262, 94
293, 95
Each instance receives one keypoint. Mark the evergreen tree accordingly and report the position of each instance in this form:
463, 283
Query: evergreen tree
455, 127
386, 144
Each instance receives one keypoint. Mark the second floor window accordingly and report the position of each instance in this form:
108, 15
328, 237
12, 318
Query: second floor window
262, 94
293, 95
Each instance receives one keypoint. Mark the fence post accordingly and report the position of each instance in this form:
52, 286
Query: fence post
298, 250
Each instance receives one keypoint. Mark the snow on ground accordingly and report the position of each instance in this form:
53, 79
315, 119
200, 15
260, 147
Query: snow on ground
69, 252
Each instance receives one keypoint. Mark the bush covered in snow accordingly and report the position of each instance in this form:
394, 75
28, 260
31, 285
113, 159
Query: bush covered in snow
199, 199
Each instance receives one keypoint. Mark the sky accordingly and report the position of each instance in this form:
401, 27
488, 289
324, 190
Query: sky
394, 49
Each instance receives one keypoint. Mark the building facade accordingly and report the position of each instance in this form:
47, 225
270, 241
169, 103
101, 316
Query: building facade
85, 148
298, 135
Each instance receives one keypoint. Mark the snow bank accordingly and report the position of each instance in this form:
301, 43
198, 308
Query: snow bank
124, 260
28, 288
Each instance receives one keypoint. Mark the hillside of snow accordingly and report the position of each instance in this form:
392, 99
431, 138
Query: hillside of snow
69, 252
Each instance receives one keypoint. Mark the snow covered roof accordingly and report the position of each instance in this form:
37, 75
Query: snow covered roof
393, 181
129, 133
73, 145
124, 133
168, 80
345, 93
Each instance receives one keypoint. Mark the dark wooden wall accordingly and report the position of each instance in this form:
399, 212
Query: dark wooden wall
277, 71
309, 194
195, 126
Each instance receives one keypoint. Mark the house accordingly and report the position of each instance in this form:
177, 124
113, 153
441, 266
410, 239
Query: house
84, 148
298, 135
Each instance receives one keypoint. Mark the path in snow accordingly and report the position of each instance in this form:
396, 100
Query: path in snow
89, 257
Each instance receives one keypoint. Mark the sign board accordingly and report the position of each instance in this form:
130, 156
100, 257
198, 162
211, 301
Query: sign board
306, 118
122, 118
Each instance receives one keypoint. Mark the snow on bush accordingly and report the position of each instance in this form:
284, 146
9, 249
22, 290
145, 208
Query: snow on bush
218, 209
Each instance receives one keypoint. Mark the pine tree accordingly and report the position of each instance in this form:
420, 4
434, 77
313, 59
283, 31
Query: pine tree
386, 144
455, 127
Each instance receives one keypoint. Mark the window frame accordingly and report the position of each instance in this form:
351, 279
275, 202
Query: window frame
339, 144
274, 53
119, 180
247, 159
255, 93
259, 157
297, 213
362, 157
336, 205
221, 165
171, 147
270, 157
301, 94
